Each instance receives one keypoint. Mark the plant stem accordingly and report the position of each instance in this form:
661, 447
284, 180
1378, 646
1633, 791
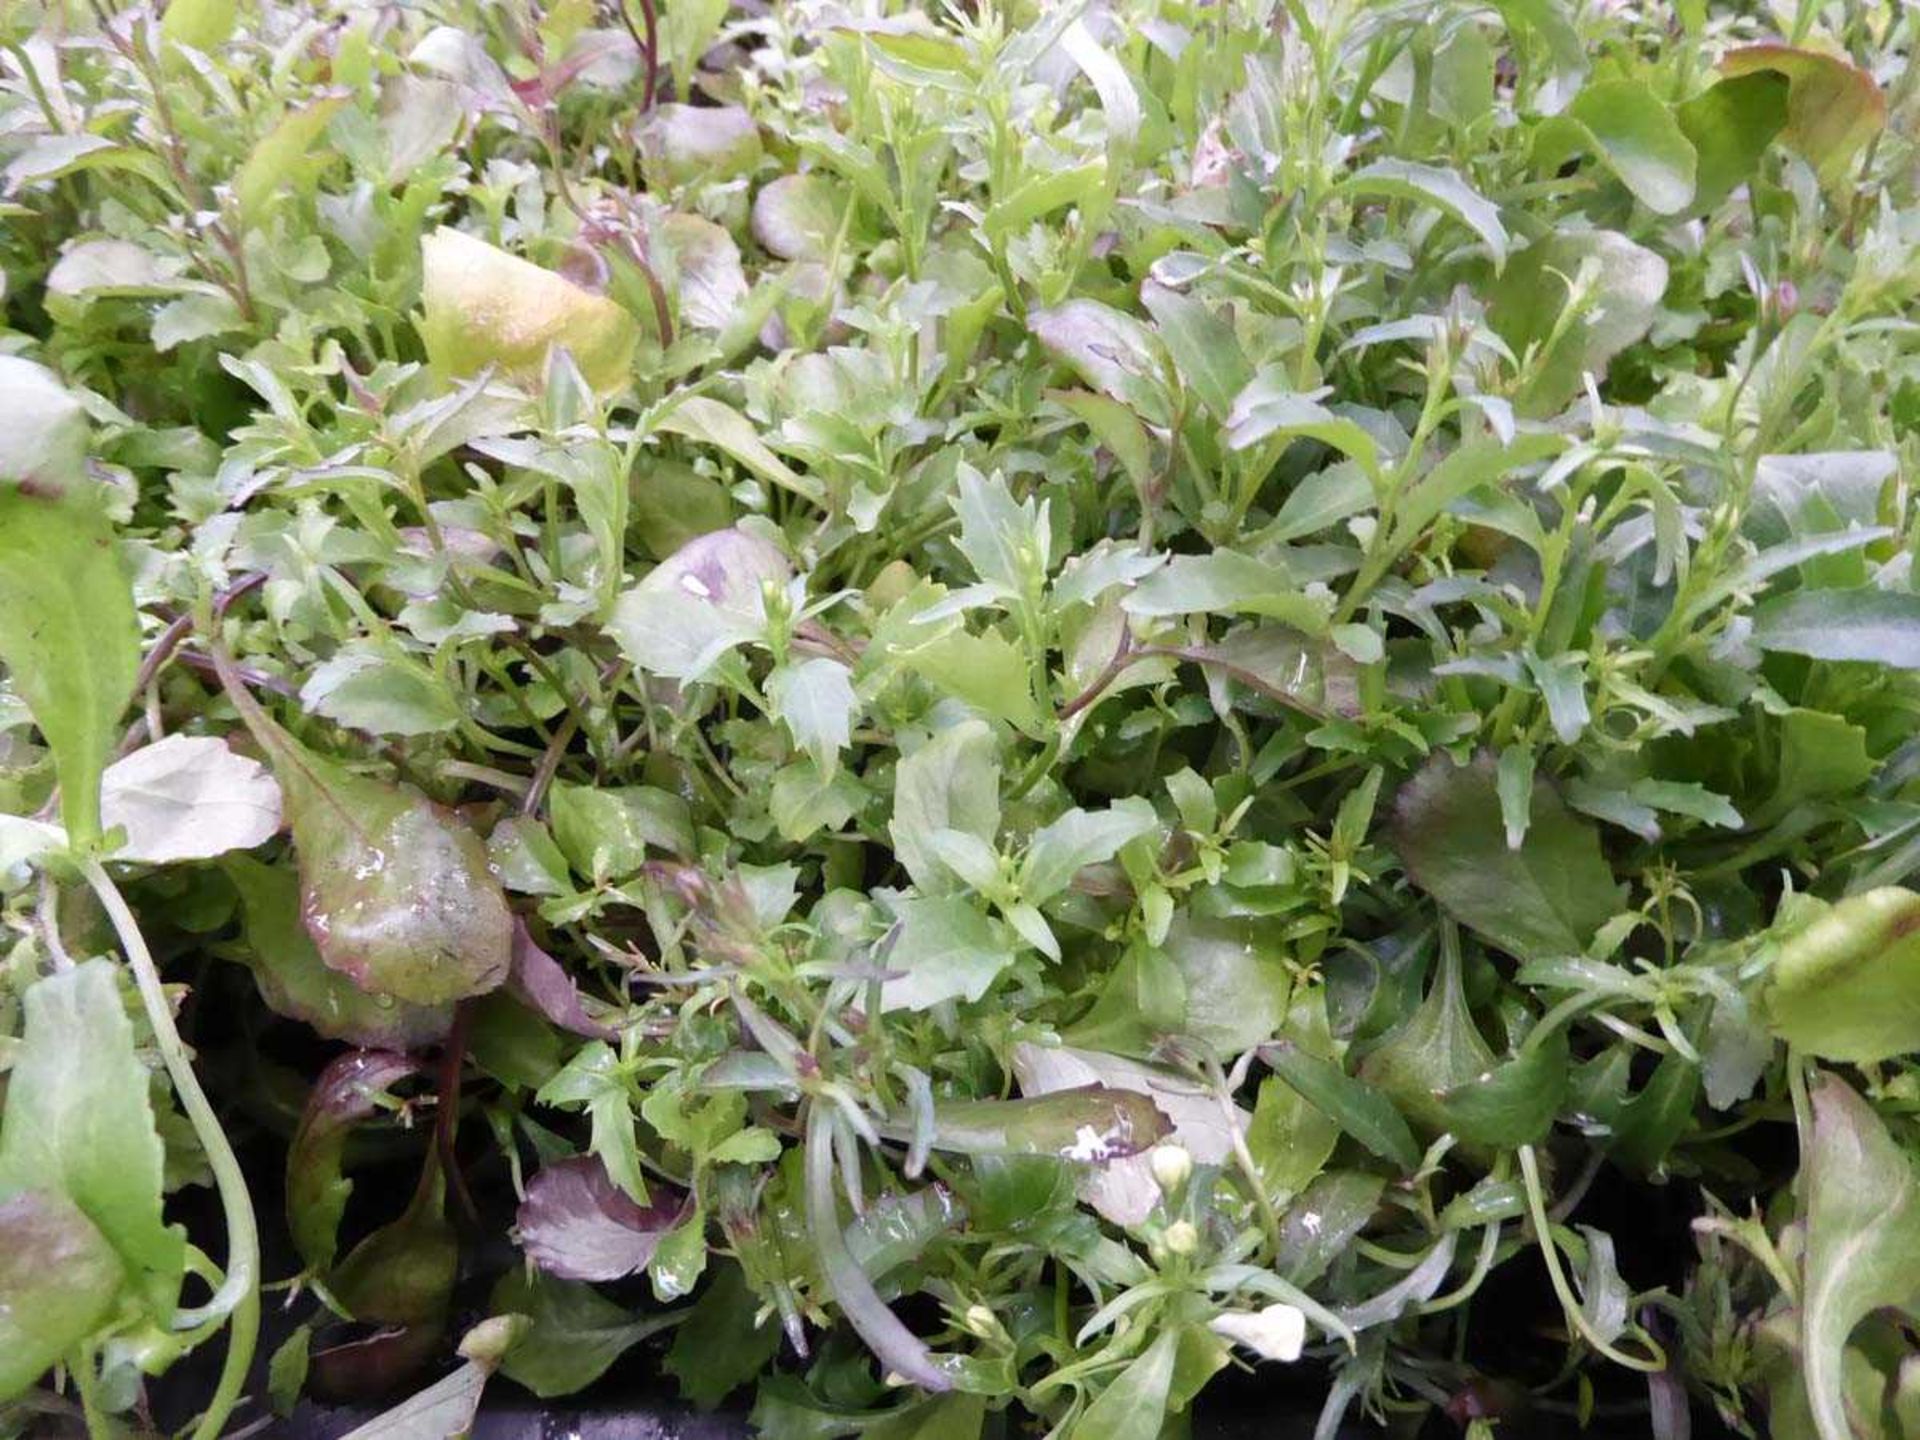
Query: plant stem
238, 1297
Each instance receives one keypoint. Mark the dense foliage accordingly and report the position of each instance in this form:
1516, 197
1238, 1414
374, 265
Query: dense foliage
974, 712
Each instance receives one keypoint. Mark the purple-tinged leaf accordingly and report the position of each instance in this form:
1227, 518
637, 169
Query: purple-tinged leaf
347, 1092
577, 1224
296, 983
58, 1281
538, 981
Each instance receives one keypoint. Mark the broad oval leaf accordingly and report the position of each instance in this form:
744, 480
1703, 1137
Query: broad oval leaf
188, 797
796, 217
698, 603
68, 633
295, 982
395, 890
43, 437
682, 144
1833, 107
1632, 130
59, 1279
1862, 1239
1544, 899
483, 307
79, 1122
1626, 282
577, 1224
1847, 986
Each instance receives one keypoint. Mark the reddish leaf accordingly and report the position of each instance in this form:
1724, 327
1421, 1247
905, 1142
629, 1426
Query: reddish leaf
577, 1224
539, 982
346, 1093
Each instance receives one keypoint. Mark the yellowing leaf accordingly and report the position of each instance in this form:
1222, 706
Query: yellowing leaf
1833, 107
484, 307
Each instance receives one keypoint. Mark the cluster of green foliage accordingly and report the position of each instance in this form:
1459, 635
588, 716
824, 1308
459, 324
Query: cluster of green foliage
975, 711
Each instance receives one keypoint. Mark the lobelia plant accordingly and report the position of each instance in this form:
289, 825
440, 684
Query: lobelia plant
941, 718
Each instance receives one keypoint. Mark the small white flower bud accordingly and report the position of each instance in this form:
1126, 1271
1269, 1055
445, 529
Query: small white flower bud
1171, 1165
981, 1322
1181, 1238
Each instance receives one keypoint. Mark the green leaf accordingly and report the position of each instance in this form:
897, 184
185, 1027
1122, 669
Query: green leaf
1114, 426
1398, 179
1862, 1239
79, 1123
988, 672
483, 307
707, 421
1134, 1406
1203, 346
947, 950
1512, 1103
395, 889
1112, 352
796, 217
1043, 192
1434, 1050
1062, 847
1623, 286
1634, 132
1322, 500
1235, 978
723, 1344
951, 782
1833, 107
1649, 1125
59, 1280
445, 1408
203, 24
816, 701
68, 634
681, 143
944, 1417
606, 831
1091, 1124
1364, 1113
1847, 986
1730, 126
1269, 408
188, 797
573, 1335
1877, 626
381, 691
284, 156
1542, 900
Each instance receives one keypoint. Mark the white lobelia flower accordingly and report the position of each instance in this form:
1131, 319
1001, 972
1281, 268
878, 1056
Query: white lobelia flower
1276, 1333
